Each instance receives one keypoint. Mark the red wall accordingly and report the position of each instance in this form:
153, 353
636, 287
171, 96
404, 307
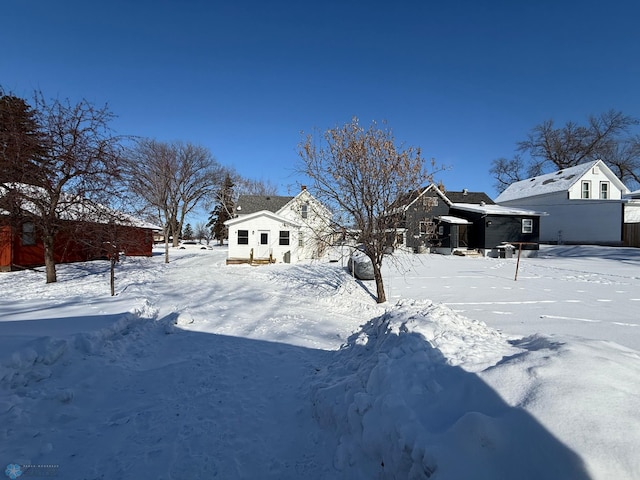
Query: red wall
77, 247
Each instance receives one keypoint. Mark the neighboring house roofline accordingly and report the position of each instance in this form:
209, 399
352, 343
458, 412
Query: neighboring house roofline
554, 182
262, 213
633, 195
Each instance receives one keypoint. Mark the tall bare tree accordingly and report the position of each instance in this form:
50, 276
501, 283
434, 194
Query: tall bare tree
77, 159
172, 179
606, 136
359, 174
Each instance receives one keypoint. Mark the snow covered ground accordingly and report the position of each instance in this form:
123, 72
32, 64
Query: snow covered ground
197, 369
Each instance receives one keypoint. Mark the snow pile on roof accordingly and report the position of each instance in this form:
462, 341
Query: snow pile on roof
553, 182
71, 208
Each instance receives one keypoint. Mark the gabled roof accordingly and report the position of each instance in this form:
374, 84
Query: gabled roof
261, 213
248, 204
449, 198
409, 198
559, 181
496, 210
305, 196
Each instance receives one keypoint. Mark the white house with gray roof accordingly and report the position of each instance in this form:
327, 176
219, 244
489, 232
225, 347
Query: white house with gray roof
272, 228
584, 204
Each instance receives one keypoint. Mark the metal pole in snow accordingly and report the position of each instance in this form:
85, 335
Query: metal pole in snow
518, 262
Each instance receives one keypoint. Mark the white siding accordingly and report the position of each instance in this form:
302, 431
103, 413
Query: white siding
575, 221
254, 227
314, 226
632, 211
594, 176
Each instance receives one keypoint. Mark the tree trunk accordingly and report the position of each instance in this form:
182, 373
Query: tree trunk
377, 275
49, 258
166, 244
113, 274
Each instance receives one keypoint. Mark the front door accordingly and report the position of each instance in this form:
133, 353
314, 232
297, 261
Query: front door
263, 244
463, 236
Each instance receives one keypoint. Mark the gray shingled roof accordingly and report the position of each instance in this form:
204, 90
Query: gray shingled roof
254, 203
469, 197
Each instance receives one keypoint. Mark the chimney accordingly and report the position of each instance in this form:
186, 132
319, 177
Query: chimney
465, 192
441, 186
304, 187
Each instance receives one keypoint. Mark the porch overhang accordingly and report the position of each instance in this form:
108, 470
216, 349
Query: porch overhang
453, 220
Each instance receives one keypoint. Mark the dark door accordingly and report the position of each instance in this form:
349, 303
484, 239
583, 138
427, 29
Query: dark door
463, 235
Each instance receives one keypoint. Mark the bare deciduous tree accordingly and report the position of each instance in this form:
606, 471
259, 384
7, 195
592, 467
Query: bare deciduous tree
77, 160
247, 186
360, 174
172, 179
606, 136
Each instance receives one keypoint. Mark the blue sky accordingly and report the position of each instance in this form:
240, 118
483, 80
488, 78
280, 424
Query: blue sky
463, 80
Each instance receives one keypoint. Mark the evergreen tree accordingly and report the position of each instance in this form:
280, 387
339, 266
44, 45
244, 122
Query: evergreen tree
188, 232
223, 210
21, 141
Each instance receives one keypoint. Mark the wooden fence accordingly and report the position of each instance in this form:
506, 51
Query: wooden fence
631, 234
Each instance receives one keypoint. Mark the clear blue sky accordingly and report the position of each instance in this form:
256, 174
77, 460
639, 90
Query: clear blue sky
463, 80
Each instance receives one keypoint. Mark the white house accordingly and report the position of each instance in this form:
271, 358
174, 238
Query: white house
272, 228
584, 204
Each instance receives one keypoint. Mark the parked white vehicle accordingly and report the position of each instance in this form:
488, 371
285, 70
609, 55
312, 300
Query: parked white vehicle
360, 266
193, 244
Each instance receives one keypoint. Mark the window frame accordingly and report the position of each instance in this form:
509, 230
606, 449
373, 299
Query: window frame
284, 237
604, 190
304, 210
243, 239
28, 235
527, 225
585, 189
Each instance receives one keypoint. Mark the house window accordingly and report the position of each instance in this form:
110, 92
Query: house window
301, 239
429, 201
427, 228
604, 190
305, 210
284, 237
586, 189
28, 234
264, 238
527, 225
243, 237
441, 230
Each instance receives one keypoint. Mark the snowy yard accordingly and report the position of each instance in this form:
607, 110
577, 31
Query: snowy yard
197, 369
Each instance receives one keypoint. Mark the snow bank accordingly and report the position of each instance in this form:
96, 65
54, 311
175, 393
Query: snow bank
404, 399
33, 362
584, 392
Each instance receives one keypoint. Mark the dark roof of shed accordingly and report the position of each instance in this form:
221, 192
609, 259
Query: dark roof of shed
254, 203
